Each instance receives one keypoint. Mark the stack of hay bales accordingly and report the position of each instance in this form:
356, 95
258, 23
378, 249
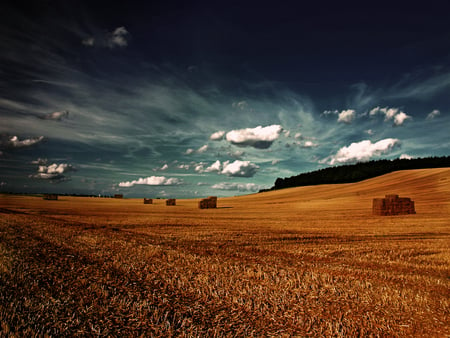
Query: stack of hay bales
171, 201
50, 197
393, 205
208, 203
148, 201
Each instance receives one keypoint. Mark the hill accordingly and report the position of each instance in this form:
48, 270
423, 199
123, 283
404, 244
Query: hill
359, 171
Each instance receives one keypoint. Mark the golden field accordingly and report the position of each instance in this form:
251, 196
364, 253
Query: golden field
307, 261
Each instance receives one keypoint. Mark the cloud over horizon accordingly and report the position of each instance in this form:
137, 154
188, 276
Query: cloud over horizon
151, 180
363, 151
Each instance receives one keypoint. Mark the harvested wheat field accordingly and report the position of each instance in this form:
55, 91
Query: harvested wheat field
309, 261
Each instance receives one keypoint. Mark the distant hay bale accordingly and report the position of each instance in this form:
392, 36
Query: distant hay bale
118, 196
392, 205
208, 203
171, 201
148, 201
50, 197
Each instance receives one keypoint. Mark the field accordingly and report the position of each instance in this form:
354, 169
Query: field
308, 261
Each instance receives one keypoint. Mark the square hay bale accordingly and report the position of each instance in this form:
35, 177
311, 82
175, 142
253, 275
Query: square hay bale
148, 201
118, 196
393, 205
171, 201
50, 197
203, 204
208, 203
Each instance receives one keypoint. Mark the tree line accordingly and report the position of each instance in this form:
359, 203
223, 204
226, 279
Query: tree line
358, 172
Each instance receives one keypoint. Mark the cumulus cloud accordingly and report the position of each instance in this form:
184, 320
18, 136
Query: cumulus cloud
400, 118
151, 180
346, 116
433, 114
53, 172
405, 157
259, 137
237, 186
309, 144
239, 169
14, 142
363, 150
217, 136
390, 113
215, 167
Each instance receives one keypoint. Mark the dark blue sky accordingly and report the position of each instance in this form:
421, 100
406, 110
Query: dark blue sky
187, 99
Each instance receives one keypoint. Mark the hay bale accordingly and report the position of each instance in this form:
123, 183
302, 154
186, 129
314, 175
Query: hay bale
50, 197
171, 201
208, 203
118, 196
203, 204
148, 201
393, 205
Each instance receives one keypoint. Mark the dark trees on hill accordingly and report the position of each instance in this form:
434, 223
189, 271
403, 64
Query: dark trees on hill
359, 171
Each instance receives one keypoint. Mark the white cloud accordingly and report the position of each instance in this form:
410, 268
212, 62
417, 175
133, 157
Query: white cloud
363, 150
390, 113
184, 166
433, 114
274, 162
346, 116
309, 144
237, 186
217, 136
259, 137
215, 167
239, 169
298, 136
151, 180
202, 149
14, 141
400, 118
164, 167
405, 157
53, 172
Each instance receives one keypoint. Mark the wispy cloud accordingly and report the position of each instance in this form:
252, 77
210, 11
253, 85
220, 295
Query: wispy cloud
433, 114
246, 187
118, 38
15, 142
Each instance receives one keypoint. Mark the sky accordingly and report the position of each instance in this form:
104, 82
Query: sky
186, 99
